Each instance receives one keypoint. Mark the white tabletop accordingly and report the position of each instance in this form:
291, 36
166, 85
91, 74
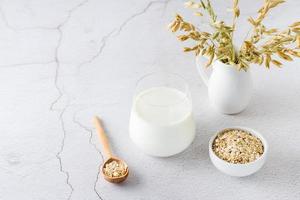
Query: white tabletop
63, 62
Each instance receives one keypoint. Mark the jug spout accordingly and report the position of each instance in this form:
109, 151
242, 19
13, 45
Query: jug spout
200, 63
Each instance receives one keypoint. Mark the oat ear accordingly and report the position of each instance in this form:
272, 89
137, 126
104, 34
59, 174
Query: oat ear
258, 48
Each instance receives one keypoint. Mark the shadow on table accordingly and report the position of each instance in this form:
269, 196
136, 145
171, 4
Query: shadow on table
271, 105
280, 169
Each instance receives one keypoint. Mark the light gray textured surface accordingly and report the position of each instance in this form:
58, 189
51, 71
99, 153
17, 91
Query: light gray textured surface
62, 62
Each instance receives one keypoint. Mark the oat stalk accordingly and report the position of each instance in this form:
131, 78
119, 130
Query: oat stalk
264, 46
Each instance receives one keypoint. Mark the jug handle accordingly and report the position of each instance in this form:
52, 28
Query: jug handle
200, 60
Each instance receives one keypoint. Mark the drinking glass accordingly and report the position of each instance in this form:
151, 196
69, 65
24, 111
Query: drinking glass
161, 120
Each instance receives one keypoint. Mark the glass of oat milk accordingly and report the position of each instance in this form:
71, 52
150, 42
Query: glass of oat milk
161, 121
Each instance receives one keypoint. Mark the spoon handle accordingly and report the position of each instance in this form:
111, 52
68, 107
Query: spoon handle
102, 136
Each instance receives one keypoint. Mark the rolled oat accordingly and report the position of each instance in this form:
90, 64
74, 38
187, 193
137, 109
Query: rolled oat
237, 146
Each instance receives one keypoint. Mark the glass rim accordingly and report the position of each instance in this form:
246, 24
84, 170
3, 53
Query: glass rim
187, 95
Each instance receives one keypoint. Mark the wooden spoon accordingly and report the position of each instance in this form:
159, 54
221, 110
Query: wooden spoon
108, 154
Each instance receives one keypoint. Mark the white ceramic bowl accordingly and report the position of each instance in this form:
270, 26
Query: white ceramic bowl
239, 170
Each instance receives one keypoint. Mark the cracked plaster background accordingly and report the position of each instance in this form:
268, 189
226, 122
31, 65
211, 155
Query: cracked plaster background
62, 62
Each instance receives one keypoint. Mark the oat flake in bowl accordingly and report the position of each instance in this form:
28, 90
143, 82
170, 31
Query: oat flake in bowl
238, 151
237, 146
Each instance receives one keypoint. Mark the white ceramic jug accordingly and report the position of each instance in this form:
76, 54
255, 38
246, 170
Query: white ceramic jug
229, 89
